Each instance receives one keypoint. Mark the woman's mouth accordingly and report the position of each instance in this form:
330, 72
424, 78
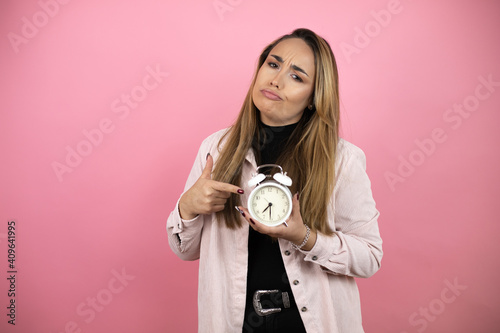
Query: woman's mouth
271, 95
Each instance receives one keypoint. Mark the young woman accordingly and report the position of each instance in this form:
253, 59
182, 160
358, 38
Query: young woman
302, 272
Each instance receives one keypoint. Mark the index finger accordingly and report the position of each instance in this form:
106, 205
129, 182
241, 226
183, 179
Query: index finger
225, 187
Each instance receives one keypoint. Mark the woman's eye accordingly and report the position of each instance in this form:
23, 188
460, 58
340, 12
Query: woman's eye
296, 78
273, 65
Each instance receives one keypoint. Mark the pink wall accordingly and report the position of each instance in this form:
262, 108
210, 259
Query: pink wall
104, 104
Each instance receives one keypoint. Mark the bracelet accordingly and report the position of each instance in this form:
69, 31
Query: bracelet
306, 238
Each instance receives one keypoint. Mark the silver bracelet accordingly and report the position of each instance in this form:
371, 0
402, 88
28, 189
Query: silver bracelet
306, 238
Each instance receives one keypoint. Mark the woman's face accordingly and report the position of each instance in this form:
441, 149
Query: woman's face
285, 83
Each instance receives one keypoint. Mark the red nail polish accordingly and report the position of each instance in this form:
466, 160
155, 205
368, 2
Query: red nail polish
240, 191
240, 211
252, 221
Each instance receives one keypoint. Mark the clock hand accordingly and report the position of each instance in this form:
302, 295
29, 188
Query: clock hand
270, 204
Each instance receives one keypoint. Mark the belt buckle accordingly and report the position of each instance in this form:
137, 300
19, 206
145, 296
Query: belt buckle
257, 305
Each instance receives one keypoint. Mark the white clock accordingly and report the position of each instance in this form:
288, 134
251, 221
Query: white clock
270, 202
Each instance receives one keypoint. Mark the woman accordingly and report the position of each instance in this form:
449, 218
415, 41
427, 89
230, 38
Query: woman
301, 272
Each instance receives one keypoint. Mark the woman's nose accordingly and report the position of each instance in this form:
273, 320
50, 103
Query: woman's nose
277, 80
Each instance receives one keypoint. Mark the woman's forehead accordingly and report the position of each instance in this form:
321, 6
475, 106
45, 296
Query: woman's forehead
295, 51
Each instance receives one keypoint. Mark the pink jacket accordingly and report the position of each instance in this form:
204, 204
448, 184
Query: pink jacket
322, 279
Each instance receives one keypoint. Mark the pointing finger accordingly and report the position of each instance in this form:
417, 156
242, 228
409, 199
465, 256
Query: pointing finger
225, 187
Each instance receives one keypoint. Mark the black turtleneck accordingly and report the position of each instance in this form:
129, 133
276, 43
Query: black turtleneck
265, 264
273, 141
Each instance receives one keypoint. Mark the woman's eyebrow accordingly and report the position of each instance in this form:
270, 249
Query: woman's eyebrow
297, 68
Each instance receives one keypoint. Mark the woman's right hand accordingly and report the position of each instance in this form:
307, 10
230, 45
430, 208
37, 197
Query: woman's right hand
206, 196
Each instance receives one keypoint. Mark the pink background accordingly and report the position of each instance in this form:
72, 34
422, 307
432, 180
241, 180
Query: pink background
403, 66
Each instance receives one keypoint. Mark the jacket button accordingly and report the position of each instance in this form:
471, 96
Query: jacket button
304, 309
287, 253
314, 258
296, 282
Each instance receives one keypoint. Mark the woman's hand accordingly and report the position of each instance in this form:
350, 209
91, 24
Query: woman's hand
294, 230
206, 196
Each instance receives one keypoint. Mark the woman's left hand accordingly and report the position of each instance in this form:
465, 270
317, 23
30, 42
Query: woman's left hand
294, 230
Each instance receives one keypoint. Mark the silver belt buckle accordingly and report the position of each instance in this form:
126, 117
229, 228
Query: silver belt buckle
257, 305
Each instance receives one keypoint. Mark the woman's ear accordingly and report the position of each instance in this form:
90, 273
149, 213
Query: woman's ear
311, 105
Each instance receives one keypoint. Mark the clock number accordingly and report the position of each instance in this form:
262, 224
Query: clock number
257, 197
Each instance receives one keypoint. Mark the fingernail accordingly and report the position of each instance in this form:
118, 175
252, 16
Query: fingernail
297, 195
286, 225
240, 211
208, 154
240, 191
252, 221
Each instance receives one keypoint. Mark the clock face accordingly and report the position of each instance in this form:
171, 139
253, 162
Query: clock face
270, 204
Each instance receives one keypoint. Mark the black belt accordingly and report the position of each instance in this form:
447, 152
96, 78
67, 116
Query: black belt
276, 297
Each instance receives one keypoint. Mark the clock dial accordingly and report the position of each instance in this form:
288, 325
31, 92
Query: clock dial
270, 204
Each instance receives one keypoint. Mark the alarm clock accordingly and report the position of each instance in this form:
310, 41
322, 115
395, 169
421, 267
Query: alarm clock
270, 202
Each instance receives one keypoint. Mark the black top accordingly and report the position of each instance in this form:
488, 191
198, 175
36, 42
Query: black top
265, 264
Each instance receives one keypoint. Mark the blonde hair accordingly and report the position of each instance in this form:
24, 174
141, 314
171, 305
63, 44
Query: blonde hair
309, 157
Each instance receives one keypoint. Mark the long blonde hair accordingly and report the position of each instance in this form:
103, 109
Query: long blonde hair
309, 157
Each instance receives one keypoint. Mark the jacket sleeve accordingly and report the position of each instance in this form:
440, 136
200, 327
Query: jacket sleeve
184, 236
355, 248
